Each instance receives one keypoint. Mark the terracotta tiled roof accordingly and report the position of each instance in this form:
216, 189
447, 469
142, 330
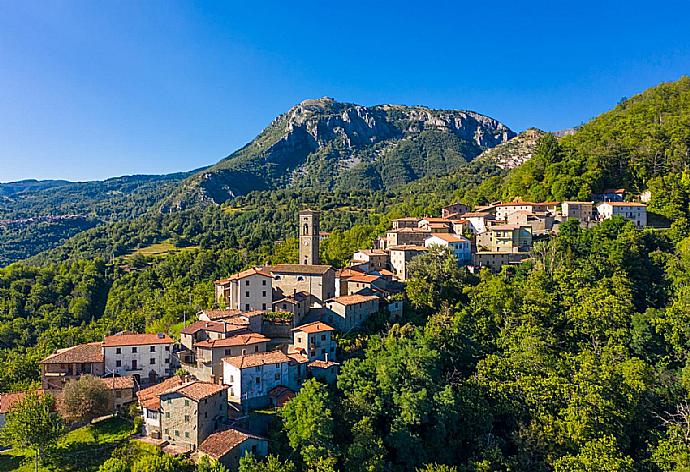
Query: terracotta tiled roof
386, 272
373, 252
449, 238
362, 278
237, 340
149, 397
8, 400
220, 443
213, 326
315, 327
353, 299
408, 230
517, 204
348, 272
280, 391
624, 204
257, 359
81, 353
214, 315
436, 220
408, 247
128, 339
322, 364
119, 383
243, 274
196, 390
298, 357
299, 269
476, 214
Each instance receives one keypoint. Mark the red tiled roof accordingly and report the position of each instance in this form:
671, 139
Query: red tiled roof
213, 326
257, 359
353, 299
214, 315
322, 364
237, 340
149, 397
128, 339
476, 214
624, 204
298, 357
8, 400
449, 238
220, 443
362, 278
517, 204
119, 383
315, 327
80, 354
299, 269
408, 247
196, 390
243, 274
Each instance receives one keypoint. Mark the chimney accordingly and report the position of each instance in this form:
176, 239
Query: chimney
326, 354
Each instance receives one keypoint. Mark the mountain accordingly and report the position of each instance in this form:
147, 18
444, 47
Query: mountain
36, 215
514, 152
327, 144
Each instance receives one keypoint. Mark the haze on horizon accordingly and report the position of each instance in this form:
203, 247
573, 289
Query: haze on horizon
94, 90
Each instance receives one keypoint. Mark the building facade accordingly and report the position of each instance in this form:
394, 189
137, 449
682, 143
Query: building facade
309, 231
314, 340
460, 246
349, 312
146, 357
635, 212
248, 290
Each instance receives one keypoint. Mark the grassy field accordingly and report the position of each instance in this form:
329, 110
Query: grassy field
159, 249
83, 449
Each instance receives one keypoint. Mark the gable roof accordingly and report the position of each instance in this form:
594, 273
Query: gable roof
81, 353
119, 383
353, 299
237, 340
242, 275
149, 397
448, 237
213, 326
308, 269
623, 204
257, 359
363, 278
196, 390
315, 327
408, 247
214, 315
129, 339
220, 443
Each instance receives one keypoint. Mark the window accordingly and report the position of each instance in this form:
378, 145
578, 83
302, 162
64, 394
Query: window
277, 375
228, 352
177, 432
299, 339
244, 352
118, 363
167, 414
186, 418
152, 349
153, 415
118, 393
256, 348
277, 277
263, 306
167, 348
167, 432
263, 293
206, 414
186, 434
134, 349
323, 337
118, 350
263, 282
246, 282
134, 365
152, 360
167, 360
186, 403
300, 278
246, 307
258, 380
246, 294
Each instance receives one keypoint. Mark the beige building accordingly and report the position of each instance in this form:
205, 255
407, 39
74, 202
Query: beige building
478, 221
146, 357
635, 212
122, 390
408, 222
191, 412
495, 260
70, 364
359, 282
349, 312
317, 280
298, 304
246, 291
373, 259
209, 354
406, 236
210, 331
401, 257
454, 209
309, 237
582, 211
228, 446
436, 225
150, 403
505, 238
541, 223
314, 341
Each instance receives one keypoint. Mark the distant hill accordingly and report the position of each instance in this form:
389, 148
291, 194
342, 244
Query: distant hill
327, 144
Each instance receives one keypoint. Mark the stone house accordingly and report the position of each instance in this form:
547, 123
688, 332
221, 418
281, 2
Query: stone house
436, 225
402, 236
349, 312
317, 280
149, 401
298, 304
70, 364
359, 282
324, 371
374, 259
505, 238
495, 260
228, 446
251, 377
253, 319
191, 412
478, 221
246, 291
146, 357
581, 211
540, 222
217, 314
210, 331
209, 354
454, 209
122, 389
635, 212
408, 222
315, 341
401, 256
505, 209
459, 245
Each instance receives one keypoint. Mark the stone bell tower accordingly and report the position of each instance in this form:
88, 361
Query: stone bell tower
309, 237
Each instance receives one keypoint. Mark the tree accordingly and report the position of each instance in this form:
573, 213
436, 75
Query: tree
434, 278
248, 463
597, 455
308, 422
209, 465
32, 424
156, 463
85, 399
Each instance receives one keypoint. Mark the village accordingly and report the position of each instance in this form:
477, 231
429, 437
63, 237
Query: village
274, 327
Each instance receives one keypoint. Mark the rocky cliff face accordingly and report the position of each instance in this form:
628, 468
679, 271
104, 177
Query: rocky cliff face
514, 152
329, 144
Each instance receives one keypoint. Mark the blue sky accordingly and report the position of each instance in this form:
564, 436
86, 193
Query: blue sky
95, 89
